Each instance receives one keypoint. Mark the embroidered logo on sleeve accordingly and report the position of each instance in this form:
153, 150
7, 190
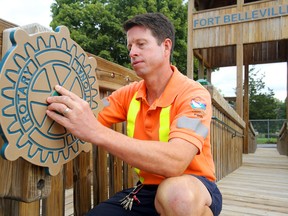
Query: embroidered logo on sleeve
198, 105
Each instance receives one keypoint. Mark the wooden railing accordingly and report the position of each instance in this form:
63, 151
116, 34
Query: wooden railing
96, 175
226, 135
25, 189
252, 139
282, 143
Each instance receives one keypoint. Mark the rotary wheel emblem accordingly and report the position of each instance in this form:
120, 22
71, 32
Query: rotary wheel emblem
29, 72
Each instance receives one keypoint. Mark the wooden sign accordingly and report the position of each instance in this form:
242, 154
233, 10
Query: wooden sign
216, 19
29, 72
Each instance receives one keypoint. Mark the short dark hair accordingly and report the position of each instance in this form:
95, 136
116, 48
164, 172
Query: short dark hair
160, 26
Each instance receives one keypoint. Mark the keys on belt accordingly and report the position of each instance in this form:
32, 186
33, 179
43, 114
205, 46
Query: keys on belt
127, 201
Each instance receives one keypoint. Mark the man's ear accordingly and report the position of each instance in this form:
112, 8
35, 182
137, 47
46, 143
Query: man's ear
168, 46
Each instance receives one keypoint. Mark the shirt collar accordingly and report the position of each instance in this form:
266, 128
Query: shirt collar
170, 92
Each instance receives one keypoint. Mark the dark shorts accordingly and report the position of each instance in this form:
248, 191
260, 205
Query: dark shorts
146, 195
216, 205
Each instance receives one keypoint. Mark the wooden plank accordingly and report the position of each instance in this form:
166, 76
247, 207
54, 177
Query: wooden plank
100, 176
258, 187
190, 47
239, 80
19, 180
17, 208
54, 204
4, 25
220, 103
111, 75
68, 167
5, 174
69, 205
118, 166
82, 183
246, 110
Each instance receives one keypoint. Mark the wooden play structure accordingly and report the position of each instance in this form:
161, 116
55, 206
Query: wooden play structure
237, 33
86, 178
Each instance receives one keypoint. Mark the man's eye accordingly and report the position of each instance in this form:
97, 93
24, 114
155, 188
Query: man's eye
141, 44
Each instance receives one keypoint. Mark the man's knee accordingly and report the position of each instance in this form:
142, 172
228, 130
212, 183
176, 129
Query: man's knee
172, 194
180, 196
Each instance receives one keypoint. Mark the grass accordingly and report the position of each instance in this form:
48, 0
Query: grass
261, 140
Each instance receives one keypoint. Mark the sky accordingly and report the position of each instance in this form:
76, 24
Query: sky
23, 12
275, 77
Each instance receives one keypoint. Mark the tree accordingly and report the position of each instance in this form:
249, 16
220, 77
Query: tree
262, 105
281, 112
96, 25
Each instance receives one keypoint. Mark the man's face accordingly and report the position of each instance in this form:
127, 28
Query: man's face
145, 54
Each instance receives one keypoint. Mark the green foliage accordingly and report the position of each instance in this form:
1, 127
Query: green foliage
281, 109
261, 140
263, 105
96, 25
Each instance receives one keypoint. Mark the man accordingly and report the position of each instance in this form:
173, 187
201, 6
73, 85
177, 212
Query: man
168, 125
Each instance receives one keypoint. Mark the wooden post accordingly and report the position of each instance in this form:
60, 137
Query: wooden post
100, 180
118, 166
209, 72
239, 88
82, 183
287, 92
17, 208
20, 180
201, 70
246, 110
239, 62
68, 167
190, 56
55, 203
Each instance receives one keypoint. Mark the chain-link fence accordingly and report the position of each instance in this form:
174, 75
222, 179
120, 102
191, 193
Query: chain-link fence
267, 130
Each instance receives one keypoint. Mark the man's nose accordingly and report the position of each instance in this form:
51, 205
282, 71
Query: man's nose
133, 52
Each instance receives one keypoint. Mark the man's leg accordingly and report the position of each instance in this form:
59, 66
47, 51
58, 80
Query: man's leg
184, 195
113, 207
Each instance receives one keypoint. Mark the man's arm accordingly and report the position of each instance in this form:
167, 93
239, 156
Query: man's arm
162, 158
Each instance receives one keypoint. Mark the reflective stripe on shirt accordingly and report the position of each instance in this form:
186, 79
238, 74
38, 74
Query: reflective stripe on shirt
164, 124
193, 124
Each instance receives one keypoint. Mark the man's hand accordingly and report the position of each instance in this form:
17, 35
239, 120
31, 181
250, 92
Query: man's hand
73, 113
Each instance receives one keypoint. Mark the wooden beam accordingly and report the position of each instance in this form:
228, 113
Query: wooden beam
209, 72
201, 70
200, 56
54, 204
239, 88
82, 173
240, 3
246, 109
190, 57
18, 208
287, 92
239, 64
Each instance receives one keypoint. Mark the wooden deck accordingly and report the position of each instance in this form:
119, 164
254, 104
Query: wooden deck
258, 187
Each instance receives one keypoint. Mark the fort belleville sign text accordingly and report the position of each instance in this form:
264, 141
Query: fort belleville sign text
256, 14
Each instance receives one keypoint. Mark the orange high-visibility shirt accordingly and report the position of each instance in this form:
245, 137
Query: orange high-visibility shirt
190, 117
